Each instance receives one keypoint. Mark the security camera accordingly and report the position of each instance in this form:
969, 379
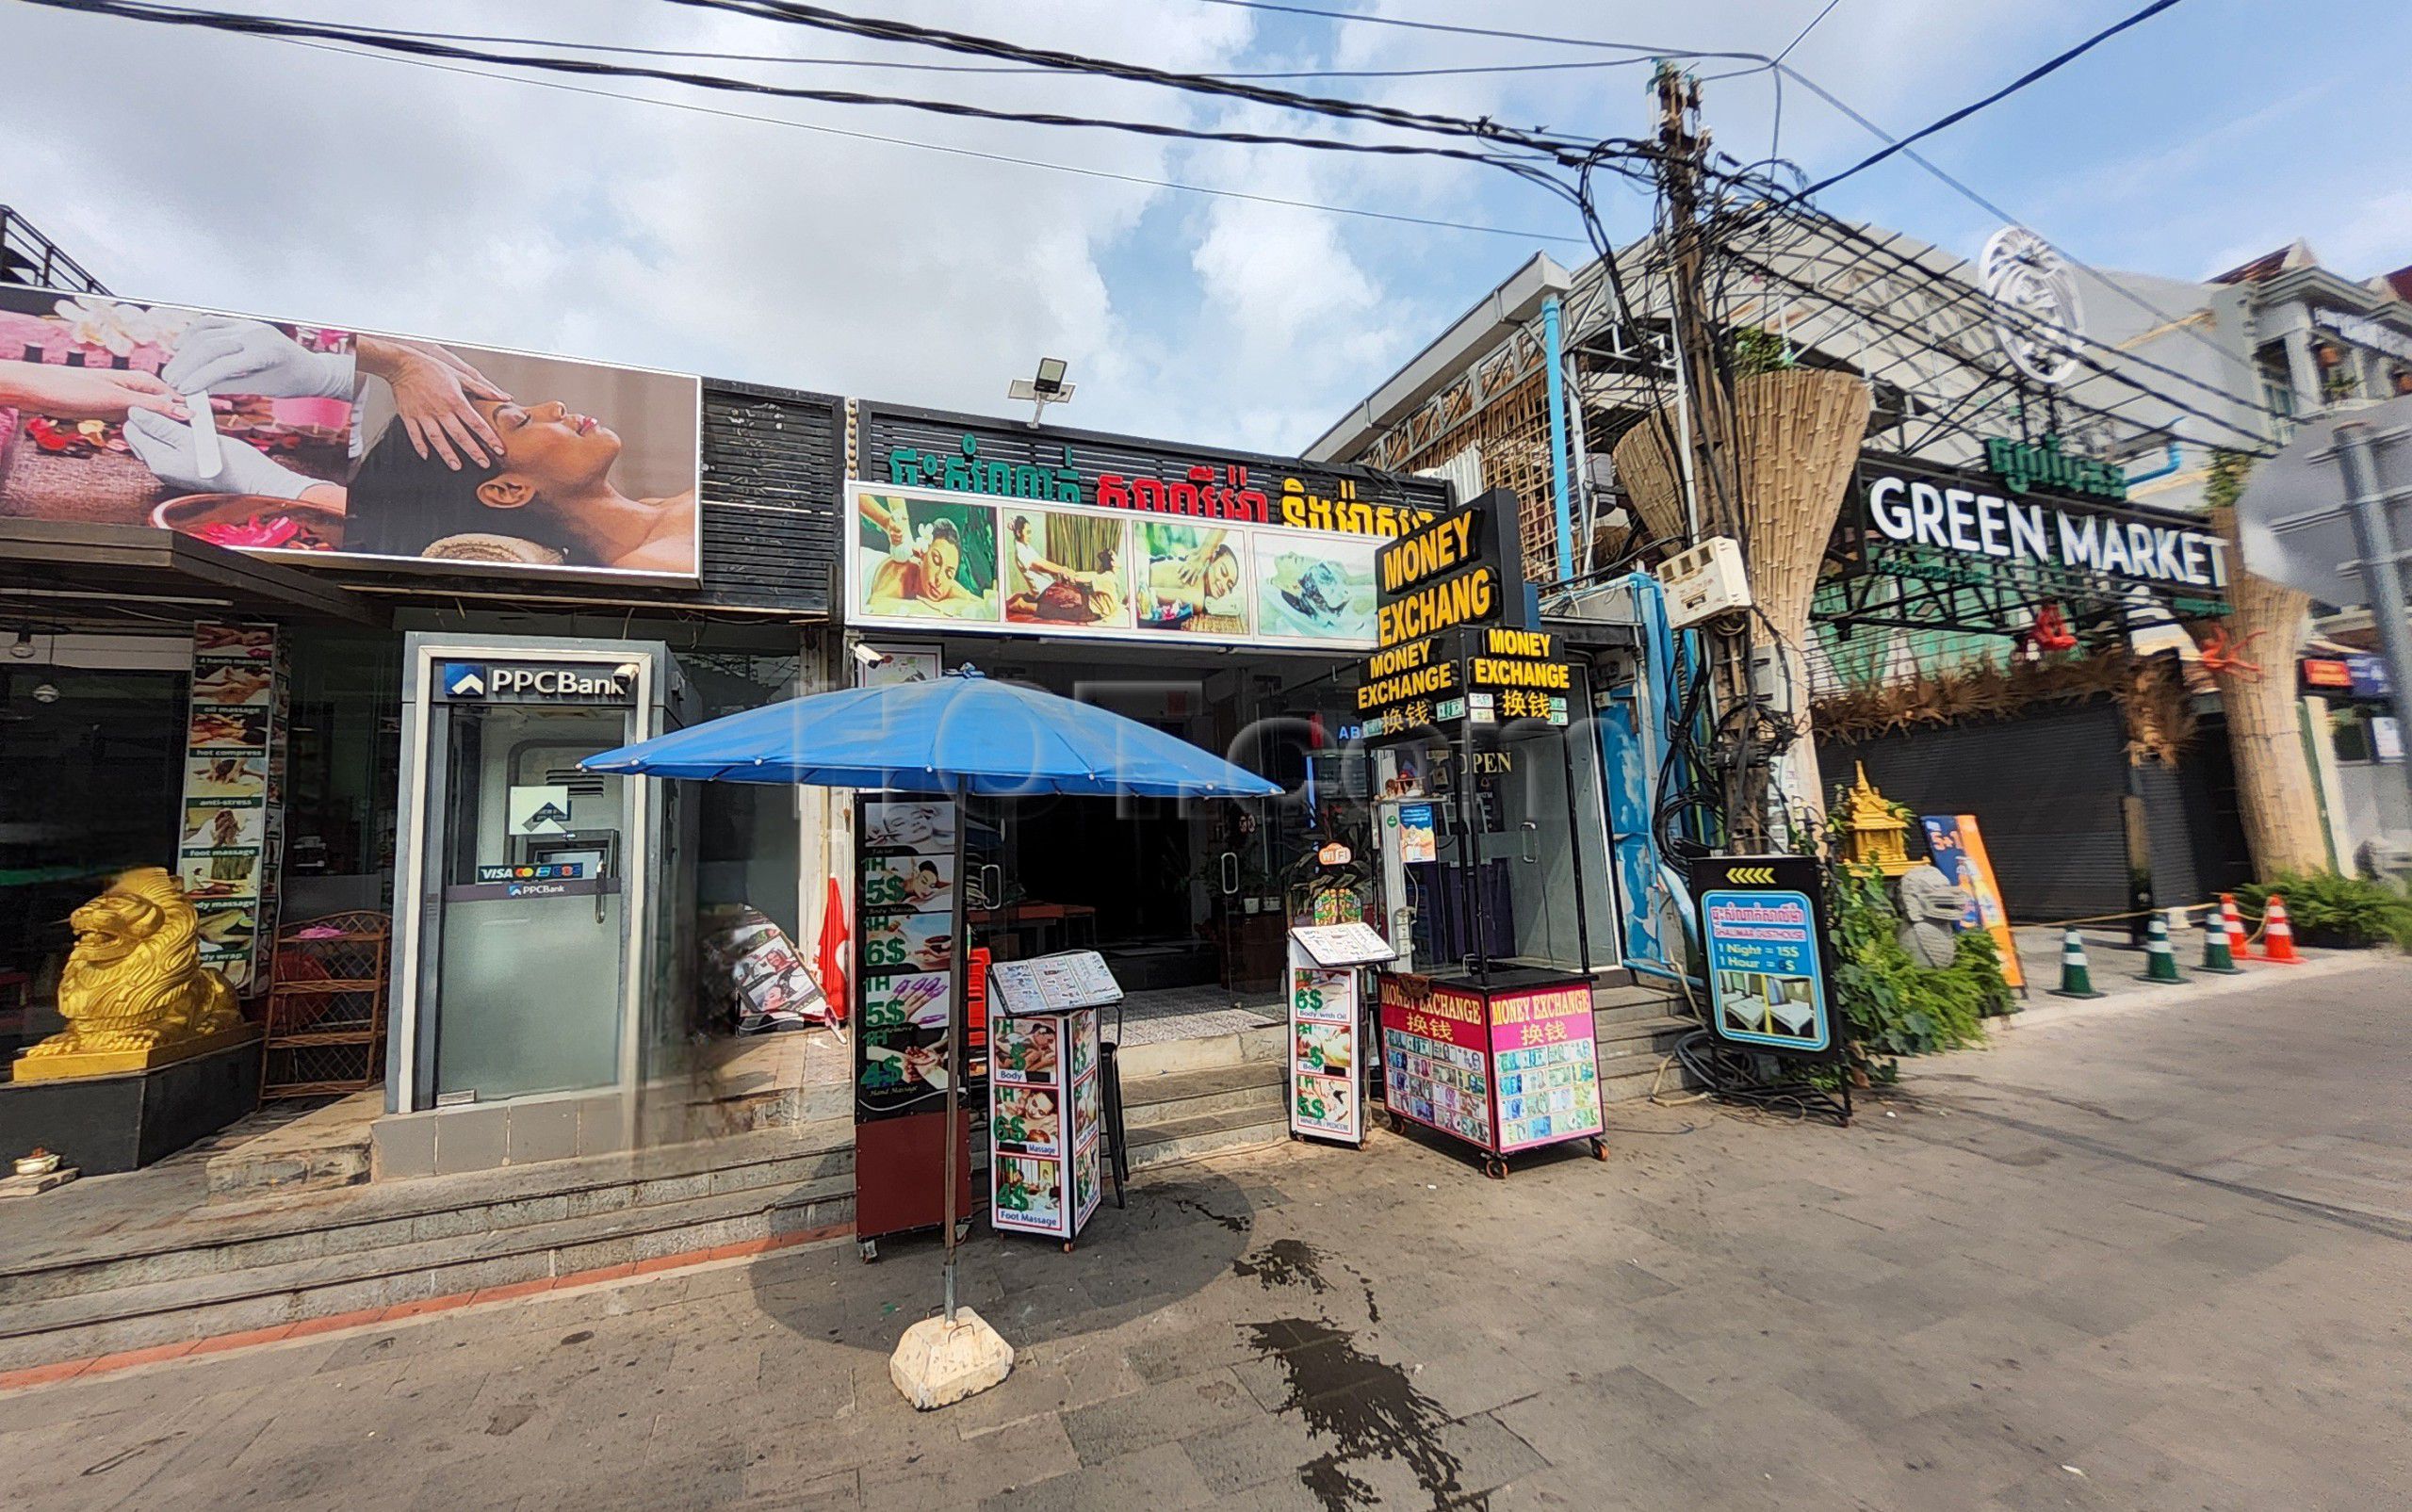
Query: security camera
868, 656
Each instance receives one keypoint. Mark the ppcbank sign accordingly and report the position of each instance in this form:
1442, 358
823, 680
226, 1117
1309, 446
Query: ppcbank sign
1976, 515
533, 682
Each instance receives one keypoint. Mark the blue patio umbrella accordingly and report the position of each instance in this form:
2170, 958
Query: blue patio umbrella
960, 735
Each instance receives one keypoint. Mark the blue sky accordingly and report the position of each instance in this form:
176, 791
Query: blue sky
260, 176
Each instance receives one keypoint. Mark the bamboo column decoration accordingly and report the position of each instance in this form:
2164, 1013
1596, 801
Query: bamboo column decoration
2264, 724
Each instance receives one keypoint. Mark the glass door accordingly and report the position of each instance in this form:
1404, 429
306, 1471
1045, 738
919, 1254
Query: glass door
530, 968
1539, 831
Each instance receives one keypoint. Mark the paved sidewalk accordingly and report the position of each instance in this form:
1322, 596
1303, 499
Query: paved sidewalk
2143, 1260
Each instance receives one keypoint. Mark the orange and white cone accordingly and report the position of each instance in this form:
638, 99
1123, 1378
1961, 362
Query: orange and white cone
2277, 935
2240, 948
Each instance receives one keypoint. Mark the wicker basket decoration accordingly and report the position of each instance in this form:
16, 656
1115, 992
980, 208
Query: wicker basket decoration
1797, 435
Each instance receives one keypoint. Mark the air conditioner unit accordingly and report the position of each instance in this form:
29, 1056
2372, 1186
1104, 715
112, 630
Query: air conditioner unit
1703, 581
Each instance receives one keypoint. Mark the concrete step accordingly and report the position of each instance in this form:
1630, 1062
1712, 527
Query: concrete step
1642, 1036
1634, 1012
1630, 994
1204, 1052
1180, 1140
157, 1312
1169, 1098
357, 1220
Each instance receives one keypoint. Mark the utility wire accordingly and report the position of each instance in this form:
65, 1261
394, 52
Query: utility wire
2040, 71
1994, 210
881, 28
1802, 35
1645, 49
914, 66
274, 26
935, 147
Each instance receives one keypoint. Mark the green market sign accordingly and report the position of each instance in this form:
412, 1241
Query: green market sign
2023, 465
1967, 514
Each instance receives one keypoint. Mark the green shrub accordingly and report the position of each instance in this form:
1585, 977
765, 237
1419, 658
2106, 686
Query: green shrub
2353, 911
1891, 1005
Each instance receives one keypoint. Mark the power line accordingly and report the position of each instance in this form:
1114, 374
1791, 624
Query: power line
914, 66
936, 147
1996, 211
883, 29
2040, 71
274, 26
1644, 49
1802, 35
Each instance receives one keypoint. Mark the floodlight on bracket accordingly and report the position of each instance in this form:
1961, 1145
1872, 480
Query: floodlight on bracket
1047, 388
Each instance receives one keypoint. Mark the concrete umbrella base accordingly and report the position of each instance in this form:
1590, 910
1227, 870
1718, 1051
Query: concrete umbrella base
938, 1363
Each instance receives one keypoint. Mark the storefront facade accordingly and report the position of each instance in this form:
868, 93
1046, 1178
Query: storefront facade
234, 686
1226, 599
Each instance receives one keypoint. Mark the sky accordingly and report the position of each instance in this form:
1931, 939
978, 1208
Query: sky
274, 178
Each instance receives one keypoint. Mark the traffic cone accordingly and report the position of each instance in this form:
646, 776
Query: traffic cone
2077, 978
2277, 935
2239, 949
2217, 959
2161, 962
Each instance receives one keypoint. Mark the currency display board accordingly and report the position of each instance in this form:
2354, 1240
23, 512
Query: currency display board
1505, 1068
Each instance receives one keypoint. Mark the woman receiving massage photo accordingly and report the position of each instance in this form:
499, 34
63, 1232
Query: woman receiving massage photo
465, 472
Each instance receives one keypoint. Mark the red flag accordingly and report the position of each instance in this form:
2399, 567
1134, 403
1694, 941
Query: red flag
832, 961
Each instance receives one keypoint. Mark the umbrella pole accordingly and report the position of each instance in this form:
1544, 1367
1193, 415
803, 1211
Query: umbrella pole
958, 1050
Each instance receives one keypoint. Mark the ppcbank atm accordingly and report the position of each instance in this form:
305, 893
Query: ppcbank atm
544, 912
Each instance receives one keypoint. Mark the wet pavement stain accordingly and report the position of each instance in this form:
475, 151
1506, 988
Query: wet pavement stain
1236, 1224
1285, 1263
1365, 1407
1292, 1263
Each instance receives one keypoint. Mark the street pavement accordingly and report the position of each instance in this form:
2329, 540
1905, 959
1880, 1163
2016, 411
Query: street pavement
2149, 1259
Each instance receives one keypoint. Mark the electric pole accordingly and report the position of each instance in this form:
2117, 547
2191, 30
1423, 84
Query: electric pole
1716, 507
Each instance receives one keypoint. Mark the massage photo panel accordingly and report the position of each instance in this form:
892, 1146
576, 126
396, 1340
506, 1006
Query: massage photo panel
279, 436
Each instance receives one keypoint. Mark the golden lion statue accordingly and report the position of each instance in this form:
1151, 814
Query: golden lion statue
135, 981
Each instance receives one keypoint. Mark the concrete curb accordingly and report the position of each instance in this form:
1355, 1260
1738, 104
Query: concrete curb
2044, 1011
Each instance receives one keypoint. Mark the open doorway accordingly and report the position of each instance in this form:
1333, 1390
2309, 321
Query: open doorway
1189, 903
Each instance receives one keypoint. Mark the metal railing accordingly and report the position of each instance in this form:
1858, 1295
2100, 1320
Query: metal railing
28, 257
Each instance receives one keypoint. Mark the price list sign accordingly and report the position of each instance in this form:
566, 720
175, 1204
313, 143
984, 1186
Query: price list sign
1545, 1066
905, 958
1436, 1056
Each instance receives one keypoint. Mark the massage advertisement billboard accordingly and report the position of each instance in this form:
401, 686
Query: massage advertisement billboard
922, 558
317, 443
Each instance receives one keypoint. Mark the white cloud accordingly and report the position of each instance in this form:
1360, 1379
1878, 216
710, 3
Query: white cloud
260, 176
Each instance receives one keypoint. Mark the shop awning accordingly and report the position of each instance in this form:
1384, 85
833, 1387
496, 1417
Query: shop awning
69, 570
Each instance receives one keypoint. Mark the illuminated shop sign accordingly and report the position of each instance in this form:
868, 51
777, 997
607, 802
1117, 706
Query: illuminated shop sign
1200, 490
525, 682
922, 558
1454, 629
1454, 572
1963, 515
1488, 675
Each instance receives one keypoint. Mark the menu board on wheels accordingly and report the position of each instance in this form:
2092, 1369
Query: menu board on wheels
904, 984
905, 956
